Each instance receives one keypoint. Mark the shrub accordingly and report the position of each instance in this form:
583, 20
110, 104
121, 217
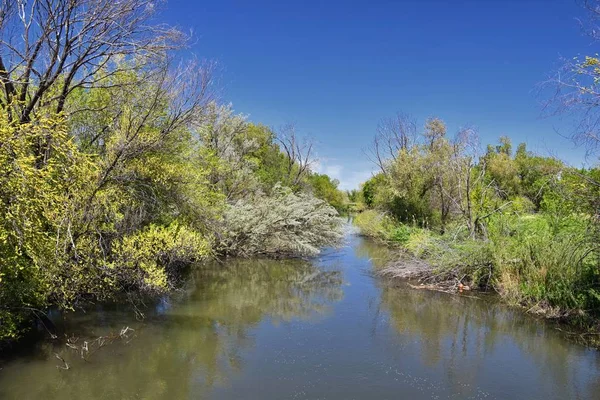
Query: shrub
423, 243
373, 224
553, 263
400, 234
149, 255
284, 223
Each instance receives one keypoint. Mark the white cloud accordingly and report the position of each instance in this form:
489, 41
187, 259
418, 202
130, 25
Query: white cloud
349, 178
354, 179
324, 166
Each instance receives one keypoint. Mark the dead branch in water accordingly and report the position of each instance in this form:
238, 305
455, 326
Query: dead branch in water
447, 281
87, 348
65, 364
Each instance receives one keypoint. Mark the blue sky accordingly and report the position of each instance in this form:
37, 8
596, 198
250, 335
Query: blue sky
336, 68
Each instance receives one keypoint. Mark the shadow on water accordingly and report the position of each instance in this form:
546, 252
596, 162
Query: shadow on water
323, 328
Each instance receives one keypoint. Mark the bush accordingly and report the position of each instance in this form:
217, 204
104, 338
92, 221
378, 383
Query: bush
553, 263
373, 224
536, 261
532, 260
150, 255
284, 223
400, 234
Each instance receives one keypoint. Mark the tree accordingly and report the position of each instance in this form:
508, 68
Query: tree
225, 141
53, 47
122, 200
575, 88
537, 175
474, 195
438, 156
372, 188
576, 91
298, 151
393, 135
435, 129
325, 188
503, 169
118, 167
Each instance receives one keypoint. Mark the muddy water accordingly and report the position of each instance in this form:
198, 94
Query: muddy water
322, 329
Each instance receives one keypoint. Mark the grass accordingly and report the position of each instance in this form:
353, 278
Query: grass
545, 263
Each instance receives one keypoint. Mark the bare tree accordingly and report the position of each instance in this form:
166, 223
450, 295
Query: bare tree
472, 192
49, 48
575, 88
393, 134
575, 91
298, 151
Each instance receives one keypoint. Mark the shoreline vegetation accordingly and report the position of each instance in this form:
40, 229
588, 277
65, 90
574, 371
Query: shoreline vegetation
120, 167
515, 223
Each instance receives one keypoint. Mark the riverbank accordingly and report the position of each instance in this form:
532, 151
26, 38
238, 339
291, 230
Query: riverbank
545, 271
317, 328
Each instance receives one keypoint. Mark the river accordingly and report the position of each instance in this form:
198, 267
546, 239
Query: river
293, 329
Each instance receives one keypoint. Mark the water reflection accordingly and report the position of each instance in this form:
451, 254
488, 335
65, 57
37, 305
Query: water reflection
244, 291
186, 346
378, 254
465, 333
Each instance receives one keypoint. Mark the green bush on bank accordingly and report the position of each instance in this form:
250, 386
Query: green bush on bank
382, 227
536, 261
90, 210
524, 225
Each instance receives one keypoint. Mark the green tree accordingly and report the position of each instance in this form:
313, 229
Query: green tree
326, 189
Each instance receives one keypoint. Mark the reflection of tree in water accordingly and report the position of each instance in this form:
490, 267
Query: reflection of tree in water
246, 290
461, 334
198, 342
379, 254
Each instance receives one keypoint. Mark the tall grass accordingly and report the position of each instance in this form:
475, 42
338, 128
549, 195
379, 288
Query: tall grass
545, 263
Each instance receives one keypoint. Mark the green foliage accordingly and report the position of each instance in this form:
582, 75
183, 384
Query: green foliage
549, 265
151, 251
326, 189
356, 202
271, 163
36, 206
374, 191
401, 234
503, 170
528, 259
381, 227
372, 224
537, 175
118, 168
